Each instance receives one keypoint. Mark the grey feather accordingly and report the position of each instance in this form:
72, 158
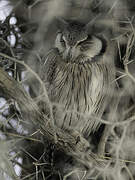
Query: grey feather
78, 83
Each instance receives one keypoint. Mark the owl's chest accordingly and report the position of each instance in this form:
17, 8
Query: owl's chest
77, 87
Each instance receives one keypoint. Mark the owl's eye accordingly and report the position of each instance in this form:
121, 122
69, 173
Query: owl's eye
62, 40
85, 44
80, 43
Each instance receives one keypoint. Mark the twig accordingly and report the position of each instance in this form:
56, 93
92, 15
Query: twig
39, 79
66, 141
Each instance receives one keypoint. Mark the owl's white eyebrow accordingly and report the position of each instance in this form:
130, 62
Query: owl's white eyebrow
64, 37
82, 39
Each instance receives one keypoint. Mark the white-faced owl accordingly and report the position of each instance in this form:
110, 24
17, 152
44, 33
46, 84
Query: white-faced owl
78, 75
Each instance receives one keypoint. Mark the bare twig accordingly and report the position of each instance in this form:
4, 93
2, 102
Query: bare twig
66, 141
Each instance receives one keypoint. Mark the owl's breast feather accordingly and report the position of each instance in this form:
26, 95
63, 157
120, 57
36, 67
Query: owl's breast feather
78, 91
78, 87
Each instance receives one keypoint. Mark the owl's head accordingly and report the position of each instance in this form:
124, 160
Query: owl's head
74, 41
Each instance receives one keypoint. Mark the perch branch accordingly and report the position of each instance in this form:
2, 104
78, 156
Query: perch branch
70, 142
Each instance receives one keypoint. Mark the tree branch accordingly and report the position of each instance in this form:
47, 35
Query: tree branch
70, 142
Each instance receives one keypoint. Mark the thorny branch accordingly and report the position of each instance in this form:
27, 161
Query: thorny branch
70, 142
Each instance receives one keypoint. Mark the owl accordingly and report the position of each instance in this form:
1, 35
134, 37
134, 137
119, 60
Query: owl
77, 73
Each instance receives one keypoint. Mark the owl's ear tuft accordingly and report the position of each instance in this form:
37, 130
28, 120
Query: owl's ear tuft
61, 23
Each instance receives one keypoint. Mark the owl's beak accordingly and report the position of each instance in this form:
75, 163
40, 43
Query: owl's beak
69, 52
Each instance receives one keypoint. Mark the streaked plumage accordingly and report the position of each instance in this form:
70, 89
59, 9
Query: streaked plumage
77, 77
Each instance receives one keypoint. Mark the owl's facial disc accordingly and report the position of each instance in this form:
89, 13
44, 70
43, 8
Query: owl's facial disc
71, 47
68, 48
74, 42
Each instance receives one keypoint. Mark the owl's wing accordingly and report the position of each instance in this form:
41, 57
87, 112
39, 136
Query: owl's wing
48, 65
47, 71
101, 93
